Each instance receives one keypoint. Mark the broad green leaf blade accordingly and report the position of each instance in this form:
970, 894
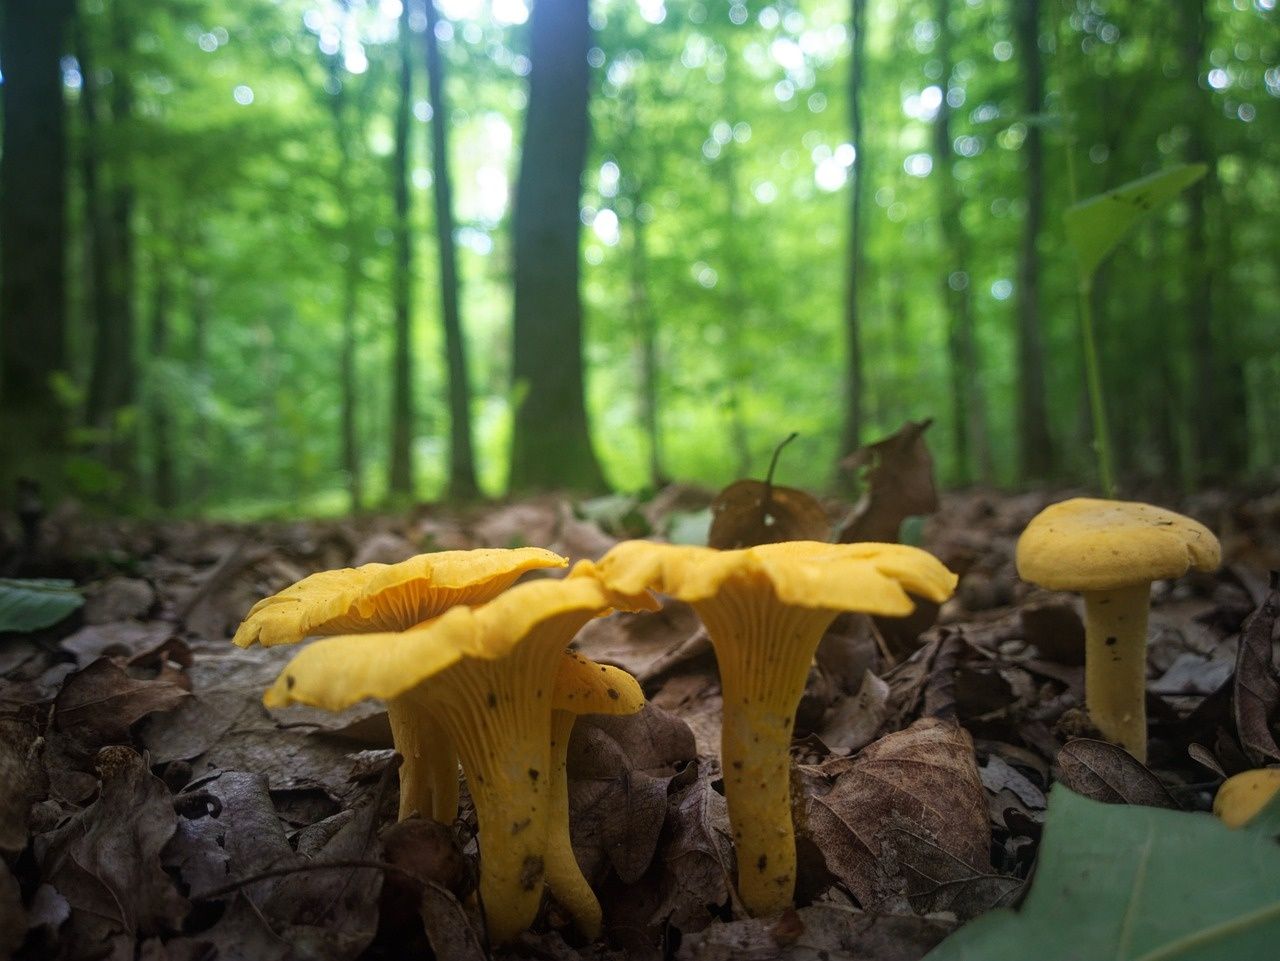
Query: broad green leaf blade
1134, 884
1095, 226
1267, 821
29, 605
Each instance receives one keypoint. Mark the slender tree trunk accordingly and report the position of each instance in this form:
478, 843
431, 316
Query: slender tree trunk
1217, 428
352, 467
462, 462
113, 379
163, 484
853, 416
1035, 447
646, 326
401, 479
551, 443
32, 239
643, 320
968, 419
199, 294
98, 285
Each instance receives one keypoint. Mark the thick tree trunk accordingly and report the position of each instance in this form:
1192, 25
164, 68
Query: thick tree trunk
401, 479
462, 462
853, 414
551, 443
1035, 447
969, 437
32, 240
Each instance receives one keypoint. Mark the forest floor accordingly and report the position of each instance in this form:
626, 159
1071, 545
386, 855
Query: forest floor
152, 807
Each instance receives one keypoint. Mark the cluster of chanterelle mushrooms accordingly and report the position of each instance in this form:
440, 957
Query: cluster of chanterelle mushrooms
476, 670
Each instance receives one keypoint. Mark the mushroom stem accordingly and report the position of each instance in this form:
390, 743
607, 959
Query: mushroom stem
762, 675
755, 752
564, 876
1116, 664
498, 714
429, 772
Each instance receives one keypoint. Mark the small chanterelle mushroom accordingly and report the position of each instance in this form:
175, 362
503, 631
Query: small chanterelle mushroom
1110, 552
486, 677
582, 687
765, 609
1241, 797
396, 597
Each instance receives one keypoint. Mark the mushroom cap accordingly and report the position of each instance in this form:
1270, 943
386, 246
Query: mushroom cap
585, 687
387, 597
1085, 544
336, 672
868, 577
1243, 795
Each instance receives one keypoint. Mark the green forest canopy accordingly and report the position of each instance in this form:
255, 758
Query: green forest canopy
238, 160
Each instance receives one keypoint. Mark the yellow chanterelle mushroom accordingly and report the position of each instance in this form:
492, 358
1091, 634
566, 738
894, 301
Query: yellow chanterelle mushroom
1110, 552
485, 677
765, 609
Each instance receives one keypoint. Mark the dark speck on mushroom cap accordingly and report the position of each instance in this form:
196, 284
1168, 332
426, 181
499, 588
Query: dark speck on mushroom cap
1086, 544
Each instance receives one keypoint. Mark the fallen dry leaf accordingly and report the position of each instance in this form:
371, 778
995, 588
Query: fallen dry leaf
620, 769
1256, 695
817, 933
906, 823
898, 471
99, 704
698, 859
642, 644
106, 860
1107, 772
22, 780
751, 512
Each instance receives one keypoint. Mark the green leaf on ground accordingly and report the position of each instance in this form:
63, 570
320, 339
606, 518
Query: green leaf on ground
1134, 884
1095, 226
29, 605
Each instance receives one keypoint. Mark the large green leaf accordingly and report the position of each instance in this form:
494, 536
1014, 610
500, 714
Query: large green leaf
1129, 883
28, 605
1096, 225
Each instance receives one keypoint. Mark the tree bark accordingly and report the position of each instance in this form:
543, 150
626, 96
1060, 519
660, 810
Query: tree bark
968, 421
32, 240
853, 415
163, 483
1218, 420
401, 479
352, 466
551, 443
1035, 446
462, 465
113, 380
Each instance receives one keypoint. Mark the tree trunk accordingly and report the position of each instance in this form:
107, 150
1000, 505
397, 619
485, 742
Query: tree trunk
1219, 444
646, 326
113, 379
853, 415
1035, 447
32, 240
199, 293
551, 443
968, 420
462, 462
401, 479
351, 274
163, 486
